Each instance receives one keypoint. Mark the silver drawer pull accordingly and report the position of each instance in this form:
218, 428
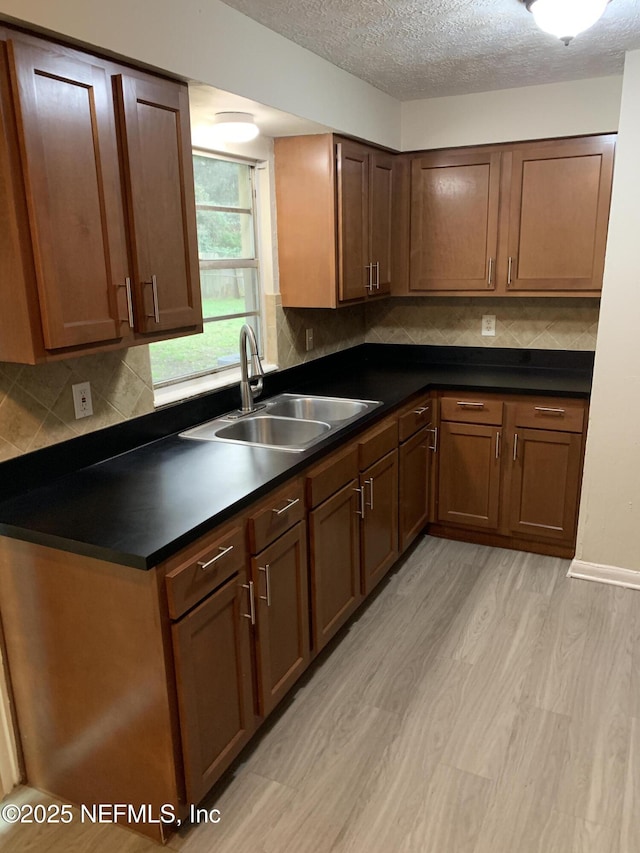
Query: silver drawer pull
369, 483
421, 411
360, 511
515, 447
267, 576
223, 551
469, 405
127, 285
434, 446
290, 502
252, 605
497, 445
547, 410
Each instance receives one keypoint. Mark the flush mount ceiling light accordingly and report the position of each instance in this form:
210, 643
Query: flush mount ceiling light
235, 127
566, 18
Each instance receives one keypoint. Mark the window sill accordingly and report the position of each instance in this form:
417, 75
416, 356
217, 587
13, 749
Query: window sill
202, 385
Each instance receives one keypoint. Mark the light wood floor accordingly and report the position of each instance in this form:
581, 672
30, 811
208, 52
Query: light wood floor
482, 703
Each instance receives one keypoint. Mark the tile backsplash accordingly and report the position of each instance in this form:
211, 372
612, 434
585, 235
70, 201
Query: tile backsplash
532, 323
36, 402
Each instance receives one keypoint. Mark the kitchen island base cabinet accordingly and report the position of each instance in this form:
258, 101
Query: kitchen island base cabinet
279, 575
213, 673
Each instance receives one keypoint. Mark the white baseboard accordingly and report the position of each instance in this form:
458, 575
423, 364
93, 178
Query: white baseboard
604, 574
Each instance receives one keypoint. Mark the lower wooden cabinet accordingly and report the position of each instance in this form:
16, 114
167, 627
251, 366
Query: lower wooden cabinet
469, 475
279, 575
545, 474
379, 526
334, 537
211, 647
510, 470
415, 475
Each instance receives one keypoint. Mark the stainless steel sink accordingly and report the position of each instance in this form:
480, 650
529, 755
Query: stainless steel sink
317, 408
291, 422
274, 431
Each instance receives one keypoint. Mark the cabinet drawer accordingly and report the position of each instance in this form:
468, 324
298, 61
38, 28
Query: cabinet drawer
218, 559
325, 479
548, 414
414, 418
376, 443
471, 409
276, 515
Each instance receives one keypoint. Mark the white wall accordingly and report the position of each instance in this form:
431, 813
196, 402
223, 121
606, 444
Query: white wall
214, 44
609, 523
533, 112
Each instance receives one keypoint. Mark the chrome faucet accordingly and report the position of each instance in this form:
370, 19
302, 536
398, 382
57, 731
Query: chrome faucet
248, 391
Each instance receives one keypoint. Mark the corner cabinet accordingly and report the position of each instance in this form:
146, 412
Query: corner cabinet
98, 247
509, 471
334, 202
522, 219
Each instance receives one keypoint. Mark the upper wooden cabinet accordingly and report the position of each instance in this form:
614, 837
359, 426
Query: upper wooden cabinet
525, 219
334, 203
98, 247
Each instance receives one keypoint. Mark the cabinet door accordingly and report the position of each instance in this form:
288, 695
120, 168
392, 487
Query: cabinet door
354, 270
334, 532
64, 111
381, 199
211, 647
282, 626
545, 484
558, 215
379, 527
415, 465
469, 475
159, 172
454, 221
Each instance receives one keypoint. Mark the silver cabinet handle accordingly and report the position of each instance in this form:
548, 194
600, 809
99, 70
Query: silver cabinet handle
421, 411
252, 605
490, 275
465, 404
377, 275
223, 551
434, 446
154, 293
369, 483
267, 577
369, 285
515, 446
498, 445
509, 271
548, 410
290, 502
127, 285
360, 511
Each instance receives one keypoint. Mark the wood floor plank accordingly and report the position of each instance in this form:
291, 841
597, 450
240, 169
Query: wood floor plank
593, 781
630, 823
480, 739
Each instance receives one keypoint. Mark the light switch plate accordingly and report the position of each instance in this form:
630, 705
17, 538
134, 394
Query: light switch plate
488, 325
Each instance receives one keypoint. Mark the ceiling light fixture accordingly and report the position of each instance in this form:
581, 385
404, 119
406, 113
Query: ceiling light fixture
566, 18
235, 127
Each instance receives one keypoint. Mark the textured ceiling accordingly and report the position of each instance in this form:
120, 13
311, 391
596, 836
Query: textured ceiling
429, 48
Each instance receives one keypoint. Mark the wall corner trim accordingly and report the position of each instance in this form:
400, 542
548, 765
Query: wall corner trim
614, 575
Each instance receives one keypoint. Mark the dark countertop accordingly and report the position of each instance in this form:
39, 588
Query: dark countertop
139, 504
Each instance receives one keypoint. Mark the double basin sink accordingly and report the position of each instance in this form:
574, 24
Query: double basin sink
291, 422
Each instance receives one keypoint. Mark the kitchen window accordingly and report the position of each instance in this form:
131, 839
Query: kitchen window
229, 274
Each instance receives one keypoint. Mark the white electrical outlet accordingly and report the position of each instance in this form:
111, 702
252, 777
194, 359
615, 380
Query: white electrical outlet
308, 337
82, 400
489, 325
